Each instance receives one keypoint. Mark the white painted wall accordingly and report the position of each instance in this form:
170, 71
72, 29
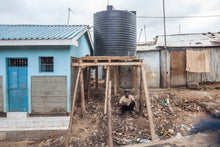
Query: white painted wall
152, 67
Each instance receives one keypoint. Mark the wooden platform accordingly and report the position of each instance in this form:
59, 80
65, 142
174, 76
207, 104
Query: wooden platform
106, 61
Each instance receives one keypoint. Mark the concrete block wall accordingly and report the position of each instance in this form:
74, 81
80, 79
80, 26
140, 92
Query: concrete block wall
49, 94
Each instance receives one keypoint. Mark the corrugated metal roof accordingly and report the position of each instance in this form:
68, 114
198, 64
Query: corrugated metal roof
189, 40
147, 46
40, 32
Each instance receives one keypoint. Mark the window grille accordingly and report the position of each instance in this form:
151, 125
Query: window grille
46, 64
17, 62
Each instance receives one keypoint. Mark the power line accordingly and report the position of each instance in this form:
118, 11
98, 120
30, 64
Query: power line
201, 16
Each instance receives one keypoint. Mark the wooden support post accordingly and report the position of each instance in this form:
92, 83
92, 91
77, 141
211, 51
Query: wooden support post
148, 103
96, 78
141, 95
89, 81
132, 76
110, 140
72, 109
106, 88
115, 80
135, 78
82, 94
119, 77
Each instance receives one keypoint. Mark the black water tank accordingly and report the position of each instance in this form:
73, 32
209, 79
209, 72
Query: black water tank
115, 33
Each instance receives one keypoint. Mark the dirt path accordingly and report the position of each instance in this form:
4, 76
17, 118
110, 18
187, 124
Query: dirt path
207, 139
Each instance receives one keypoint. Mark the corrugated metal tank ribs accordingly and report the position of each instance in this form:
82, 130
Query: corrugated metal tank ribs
115, 33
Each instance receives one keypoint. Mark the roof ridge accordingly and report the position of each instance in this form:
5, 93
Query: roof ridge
185, 34
43, 25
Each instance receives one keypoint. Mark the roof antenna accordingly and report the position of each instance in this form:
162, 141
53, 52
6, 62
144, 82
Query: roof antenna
68, 19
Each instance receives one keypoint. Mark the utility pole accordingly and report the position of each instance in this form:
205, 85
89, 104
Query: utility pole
179, 28
165, 46
140, 35
145, 35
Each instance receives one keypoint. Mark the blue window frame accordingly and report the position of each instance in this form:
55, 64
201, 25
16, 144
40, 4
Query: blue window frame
46, 64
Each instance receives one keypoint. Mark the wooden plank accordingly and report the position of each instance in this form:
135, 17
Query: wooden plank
135, 78
106, 88
89, 81
110, 140
107, 57
107, 64
96, 78
83, 107
141, 95
119, 77
72, 109
115, 80
148, 104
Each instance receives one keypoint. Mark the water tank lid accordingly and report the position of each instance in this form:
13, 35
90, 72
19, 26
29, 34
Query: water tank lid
109, 7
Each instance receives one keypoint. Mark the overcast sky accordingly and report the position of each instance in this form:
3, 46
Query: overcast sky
55, 12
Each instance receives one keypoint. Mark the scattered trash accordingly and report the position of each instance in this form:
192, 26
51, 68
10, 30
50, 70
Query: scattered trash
178, 135
174, 115
144, 140
163, 102
182, 126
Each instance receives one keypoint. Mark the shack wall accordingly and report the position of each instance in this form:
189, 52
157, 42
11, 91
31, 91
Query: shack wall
164, 77
214, 74
152, 67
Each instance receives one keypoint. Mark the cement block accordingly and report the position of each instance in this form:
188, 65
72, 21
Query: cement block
34, 123
33, 135
16, 115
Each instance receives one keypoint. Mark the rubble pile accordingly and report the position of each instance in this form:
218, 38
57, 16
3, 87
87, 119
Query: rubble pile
174, 116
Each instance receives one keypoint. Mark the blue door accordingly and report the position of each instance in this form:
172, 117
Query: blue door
17, 84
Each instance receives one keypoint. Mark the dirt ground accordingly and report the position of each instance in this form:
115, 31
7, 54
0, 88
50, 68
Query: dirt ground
176, 111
